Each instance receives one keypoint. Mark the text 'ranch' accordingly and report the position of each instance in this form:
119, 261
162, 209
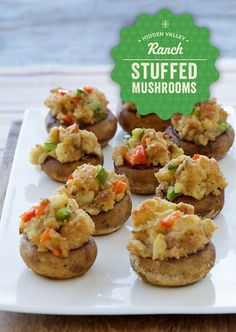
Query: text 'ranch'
163, 75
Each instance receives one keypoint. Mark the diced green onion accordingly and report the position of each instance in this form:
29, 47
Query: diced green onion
50, 146
138, 133
171, 194
98, 111
81, 93
126, 139
99, 114
63, 213
101, 175
223, 125
95, 105
172, 167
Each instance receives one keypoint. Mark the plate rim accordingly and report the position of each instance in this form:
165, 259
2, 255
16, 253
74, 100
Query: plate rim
104, 309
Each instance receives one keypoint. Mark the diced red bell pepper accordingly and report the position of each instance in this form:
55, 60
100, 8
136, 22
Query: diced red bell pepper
28, 215
45, 236
41, 208
196, 156
88, 89
119, 187
168, 221
69, 118
71, 177
62, 92
136, 156
57, 252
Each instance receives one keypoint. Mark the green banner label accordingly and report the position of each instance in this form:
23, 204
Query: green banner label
164, 64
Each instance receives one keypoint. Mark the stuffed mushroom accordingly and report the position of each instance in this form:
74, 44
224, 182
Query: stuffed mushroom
104, 195
197, 181
141, 156
87, 107
64, 150
169, 245
57, 238
205, 131
130, 119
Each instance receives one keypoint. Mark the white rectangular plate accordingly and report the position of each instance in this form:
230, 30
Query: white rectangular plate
110, 286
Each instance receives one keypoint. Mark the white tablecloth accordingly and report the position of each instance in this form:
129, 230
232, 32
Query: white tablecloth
25, 87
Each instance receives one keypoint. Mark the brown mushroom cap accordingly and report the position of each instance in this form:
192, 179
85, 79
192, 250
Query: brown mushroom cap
214, 149
60, 171
112, 220
142, 180
207, 207
128, 120
48, 265
175, 272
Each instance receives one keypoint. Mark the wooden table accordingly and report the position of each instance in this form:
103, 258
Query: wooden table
10, 322
30, 86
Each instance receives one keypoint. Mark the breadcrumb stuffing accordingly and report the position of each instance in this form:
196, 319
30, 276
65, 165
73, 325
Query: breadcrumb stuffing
207, 121
87, 105
191, 177
91, 195
58, 236
154, 239
158, 148
67, 145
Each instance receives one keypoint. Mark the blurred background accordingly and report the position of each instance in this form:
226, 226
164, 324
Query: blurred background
84, 31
